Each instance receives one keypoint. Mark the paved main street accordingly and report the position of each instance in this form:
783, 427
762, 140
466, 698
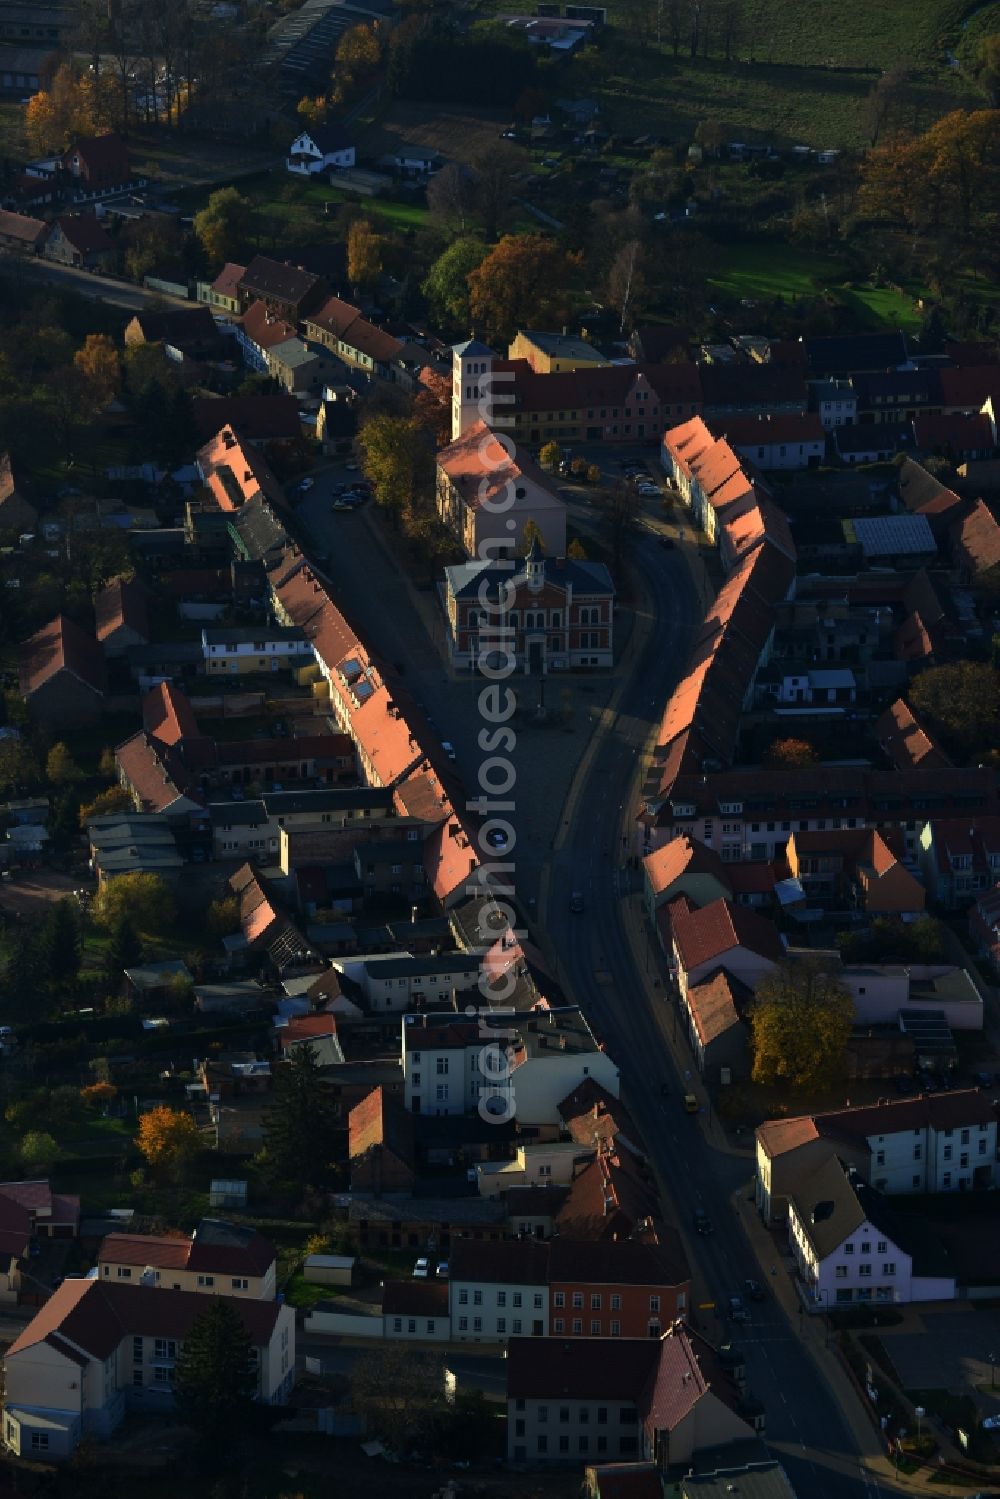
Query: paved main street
85, 284
604, 958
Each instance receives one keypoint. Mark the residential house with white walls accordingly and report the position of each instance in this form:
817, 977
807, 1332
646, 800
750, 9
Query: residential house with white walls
851, 1249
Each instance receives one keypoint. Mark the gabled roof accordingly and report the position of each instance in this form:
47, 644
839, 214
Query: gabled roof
593, 1116
258, 418
502, 1261
381, 1120
91, 1318
329, 138
154, 772
61, 646
682, 855
855, 352
180, 326
710, 932
102, 154
761, 430
976, 539
921, 492
227, 282
265, 277
712, 1005
121, 603
84, 232
415, 1298
580, 1369
345, 322
481, 468
168, 715
827, 1206
970, 386
904, 739
19, 226
236, 472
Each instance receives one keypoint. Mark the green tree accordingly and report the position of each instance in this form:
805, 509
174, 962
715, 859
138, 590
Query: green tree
962, 701
530, 531
223, 226
115, 799
800, 1024
60, 943
60, 767
398, 460
123, 950
145, 899
23, 976
223, 916
300, 1122
446, 286
215, 1378
38, 1150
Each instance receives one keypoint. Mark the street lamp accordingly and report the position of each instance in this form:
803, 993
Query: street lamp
992, 1358
920, 1413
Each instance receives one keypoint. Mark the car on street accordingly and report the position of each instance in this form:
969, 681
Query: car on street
648, 490
442, 1270
576, 902
737, 1311
306, 485
702, 1222
690, 1103
421, 1269
352, 468
496, 838
753, 1290
448, 748
341, 504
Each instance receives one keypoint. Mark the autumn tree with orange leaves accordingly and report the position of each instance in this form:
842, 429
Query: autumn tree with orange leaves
168, 1139
526, 281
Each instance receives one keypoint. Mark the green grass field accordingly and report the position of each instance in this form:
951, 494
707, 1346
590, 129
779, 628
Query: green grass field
800, 73
763, 271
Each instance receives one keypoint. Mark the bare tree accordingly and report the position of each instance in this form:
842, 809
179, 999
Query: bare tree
887, 96
731, 25
398, 1391
626, 283
495, 170
450, 196
619, 509
694, 26
122, 16
672, 13
91, 31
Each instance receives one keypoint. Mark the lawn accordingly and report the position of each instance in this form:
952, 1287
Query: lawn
763, 271
811, 71
301, 1293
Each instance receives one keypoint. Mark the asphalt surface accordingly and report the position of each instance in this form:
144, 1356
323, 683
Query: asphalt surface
85, 284
805, 1428
601, 970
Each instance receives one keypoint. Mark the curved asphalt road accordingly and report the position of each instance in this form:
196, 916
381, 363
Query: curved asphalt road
600, 968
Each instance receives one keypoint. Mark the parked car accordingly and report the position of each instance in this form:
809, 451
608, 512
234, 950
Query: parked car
690, 1103
702, 1222
421, 1269
306, 485
753, 1290
737, 1311
442, 1270
341, 504
448, 748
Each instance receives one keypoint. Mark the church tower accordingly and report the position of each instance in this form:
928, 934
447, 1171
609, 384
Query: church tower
471, 381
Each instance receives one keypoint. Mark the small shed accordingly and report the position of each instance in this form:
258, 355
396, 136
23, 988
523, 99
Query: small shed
329, 1269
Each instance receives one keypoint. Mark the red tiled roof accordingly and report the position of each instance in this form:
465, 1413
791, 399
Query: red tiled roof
168, 715
153, 772
235, 471
227, 282
977, 539
611, 1197
95, 1317
259, 418
84, 232
15, 1227
421, 795
941, 1111
265, 328
905, 741
962, 434
593, 1116
61, 646
346, 323
450, 857
105, 156
779, 1136
306, 1028
480, 467
712, 931
20, 226
713, 1008
163, 1251
759, 431
969, 386
121, 603
415, 1298
581, 1368
682, 855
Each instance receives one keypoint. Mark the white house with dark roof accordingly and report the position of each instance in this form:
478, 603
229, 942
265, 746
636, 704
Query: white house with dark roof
321, 148
96, 1350
850, 1248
